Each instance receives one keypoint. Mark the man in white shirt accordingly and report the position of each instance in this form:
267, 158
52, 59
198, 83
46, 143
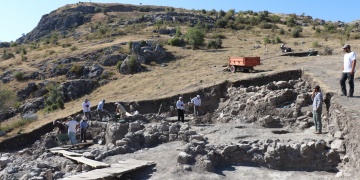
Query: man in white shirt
197, 103
72, 126
180, 107
100, 109
86, 109
348, 71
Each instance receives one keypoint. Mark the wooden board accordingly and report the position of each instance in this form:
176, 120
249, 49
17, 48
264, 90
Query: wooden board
90, 162
78, 145
65, 153
114, 170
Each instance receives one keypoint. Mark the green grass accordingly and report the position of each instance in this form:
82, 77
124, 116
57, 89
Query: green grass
14, 124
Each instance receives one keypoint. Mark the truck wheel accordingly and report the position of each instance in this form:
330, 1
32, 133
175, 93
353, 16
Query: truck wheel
233, 69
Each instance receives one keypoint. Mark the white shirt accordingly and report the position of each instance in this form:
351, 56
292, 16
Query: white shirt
72, 126
121, 108
101, 106
348, 60
180, 105
86, 109
196, 101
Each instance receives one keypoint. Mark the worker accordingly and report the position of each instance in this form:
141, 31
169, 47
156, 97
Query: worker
100, 109
120, 110
86, 109
181, 108
83, 127
197, 103
61, 127
72, 126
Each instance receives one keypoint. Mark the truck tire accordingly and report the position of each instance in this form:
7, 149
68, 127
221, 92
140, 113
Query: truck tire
233, 69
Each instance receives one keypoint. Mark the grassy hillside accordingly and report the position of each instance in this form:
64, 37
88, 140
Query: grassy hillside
242, 34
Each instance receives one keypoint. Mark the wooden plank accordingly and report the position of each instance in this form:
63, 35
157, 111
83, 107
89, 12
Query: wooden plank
77, 145
114, 170
90, 162
65, 153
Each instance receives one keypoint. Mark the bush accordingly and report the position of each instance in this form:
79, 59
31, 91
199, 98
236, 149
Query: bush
73, 48
282, 31
296, 32
13, 44
16, 123
327, 51
277, 39
356, 36
315, 44
65, 45
266, 40
7, 55
76, 68
118, 64
132, 63
18, 75
221, 23
174, 41
130, 45
8, 99
214, 44
178, 32
144, 9
195, 37
265, 25
54, 98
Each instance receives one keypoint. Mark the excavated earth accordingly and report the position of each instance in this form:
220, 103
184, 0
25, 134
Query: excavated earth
251, 129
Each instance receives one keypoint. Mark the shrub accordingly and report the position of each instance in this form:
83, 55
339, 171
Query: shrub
118, 64
50, 52
7, 55
16, 123
175, 41
315, 44
214, 44
277, 39
54, 98
65, 45
221, 23
18, 75
266, 40
143, 43
144, 9
73, 48
282, 31
8, 99
130, 45
13, 44
97, 9
327, 51
178, 32
132, 63
195, 37
265, 25
356, 36
296, 32
76, 68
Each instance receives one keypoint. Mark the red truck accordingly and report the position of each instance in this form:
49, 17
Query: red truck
244, 64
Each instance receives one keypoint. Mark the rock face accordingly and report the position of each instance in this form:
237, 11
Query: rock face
77, 88
116, 131
130, 65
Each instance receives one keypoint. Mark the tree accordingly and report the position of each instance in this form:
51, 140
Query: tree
195, 37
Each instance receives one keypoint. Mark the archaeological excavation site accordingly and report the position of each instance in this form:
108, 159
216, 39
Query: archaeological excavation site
255, 128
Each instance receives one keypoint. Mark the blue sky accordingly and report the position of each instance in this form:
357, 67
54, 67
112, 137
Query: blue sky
21, 16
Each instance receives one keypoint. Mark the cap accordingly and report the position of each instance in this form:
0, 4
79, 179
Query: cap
346, 46
180, 97
103, 100
317, 87
198, 96
116, 102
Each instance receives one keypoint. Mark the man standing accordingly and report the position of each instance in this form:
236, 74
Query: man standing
317, 108
197, 103
348, 71
180, 107
83, 127
72, 125
100, 109
121, 110
86, 109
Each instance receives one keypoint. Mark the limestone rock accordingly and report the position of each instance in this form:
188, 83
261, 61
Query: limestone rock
184, 158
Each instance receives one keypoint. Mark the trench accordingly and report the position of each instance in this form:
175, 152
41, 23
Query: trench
290, 159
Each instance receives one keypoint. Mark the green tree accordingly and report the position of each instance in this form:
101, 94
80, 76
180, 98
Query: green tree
195, 37
54, 98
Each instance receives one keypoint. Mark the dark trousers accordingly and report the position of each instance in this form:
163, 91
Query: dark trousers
87, 115
181, 115
344, 77
100, 113
83, 134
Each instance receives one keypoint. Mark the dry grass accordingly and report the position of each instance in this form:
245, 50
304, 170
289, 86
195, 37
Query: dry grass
189, 71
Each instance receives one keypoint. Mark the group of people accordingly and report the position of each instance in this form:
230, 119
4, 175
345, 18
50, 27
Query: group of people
348, 73
69, 128
180, 106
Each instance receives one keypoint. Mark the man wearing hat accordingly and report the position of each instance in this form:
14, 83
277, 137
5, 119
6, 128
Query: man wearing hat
348, 71
72, 126
121, 110
197, 103
100, 109
317, 108
181, 108
86, 109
